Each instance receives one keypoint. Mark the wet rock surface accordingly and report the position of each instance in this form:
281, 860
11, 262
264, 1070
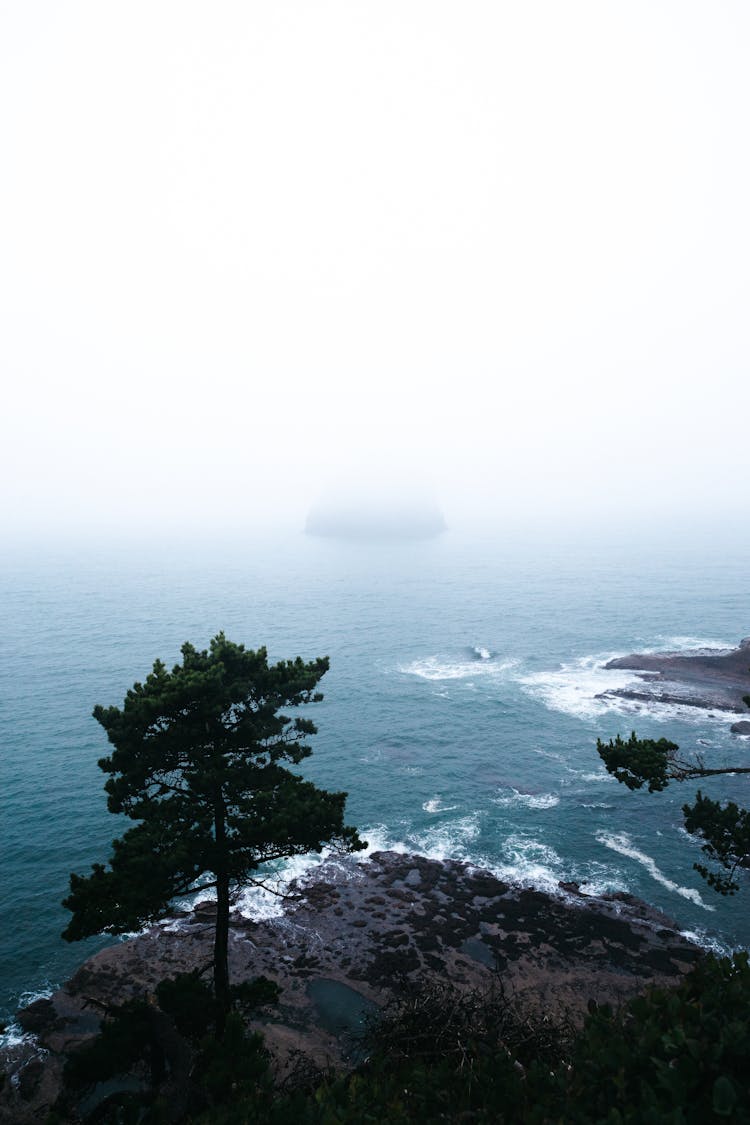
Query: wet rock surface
355, 932
710, 680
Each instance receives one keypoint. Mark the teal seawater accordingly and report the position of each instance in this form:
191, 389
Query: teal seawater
460, 710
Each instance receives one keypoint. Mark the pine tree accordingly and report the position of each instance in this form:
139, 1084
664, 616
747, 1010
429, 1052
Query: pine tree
724, 829
200, 761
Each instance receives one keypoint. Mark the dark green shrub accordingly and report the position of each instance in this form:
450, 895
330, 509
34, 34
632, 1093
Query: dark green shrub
677, 1055
190, 1003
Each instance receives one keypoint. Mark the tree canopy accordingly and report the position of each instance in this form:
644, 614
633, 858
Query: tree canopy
200, 761
725, 829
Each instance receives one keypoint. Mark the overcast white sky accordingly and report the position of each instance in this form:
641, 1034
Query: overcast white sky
250, 247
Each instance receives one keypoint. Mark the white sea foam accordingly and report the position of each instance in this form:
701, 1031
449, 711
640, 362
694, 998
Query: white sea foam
669, 712
523, 860
435, 805
262, 902
574, 687
595, 776
515, 798
482, 653
14, 1035
608, 884
447, 668
688, 837
583, 688
448, 840
531, 863
690, 644
379, 839
259, 903
597, 878
31, 996
621, 843
707, 941
188, 902
526, 862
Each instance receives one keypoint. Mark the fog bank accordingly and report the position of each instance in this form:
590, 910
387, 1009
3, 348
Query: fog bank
249, 250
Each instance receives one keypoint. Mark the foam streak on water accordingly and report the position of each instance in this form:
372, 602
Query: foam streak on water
447, 668
436, 805
620, 842
515, 799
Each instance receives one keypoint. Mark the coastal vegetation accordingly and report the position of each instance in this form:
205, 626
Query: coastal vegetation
672, 1055
437, 1054
201, 761
724, 828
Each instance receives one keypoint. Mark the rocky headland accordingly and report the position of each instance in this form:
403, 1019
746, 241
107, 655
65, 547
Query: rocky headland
714, 681
351, 938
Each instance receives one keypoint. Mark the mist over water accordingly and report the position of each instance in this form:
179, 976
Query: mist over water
460, 713
257, 255
502, 249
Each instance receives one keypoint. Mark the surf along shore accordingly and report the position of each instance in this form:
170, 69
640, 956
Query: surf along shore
710, 680
354, 935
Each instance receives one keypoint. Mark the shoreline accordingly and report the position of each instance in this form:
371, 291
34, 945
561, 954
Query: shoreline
355, 936
712, 681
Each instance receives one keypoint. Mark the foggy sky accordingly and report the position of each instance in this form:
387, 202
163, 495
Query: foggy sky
250, 248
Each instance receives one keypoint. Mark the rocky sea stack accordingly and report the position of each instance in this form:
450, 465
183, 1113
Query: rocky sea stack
371, 515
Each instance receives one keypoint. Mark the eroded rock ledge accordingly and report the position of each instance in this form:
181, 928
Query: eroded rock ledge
709, 680
355, 932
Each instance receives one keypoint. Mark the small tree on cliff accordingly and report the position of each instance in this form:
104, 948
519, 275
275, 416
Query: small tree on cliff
199, 761
725, 829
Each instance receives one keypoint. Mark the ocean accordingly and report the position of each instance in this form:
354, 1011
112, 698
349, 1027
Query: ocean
460, 713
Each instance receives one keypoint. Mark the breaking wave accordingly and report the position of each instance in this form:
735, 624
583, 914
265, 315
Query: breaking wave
621, 843
531, 863
515, 798
13, 1034
261, 902
584, 688
449, 840
447, 668
575, 687
435, 805
709, 942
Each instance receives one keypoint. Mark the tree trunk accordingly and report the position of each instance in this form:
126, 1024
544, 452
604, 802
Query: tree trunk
221, 938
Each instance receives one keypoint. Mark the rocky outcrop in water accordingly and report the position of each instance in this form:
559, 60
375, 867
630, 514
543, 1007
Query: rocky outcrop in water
401, 518
710, 680
353, 935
